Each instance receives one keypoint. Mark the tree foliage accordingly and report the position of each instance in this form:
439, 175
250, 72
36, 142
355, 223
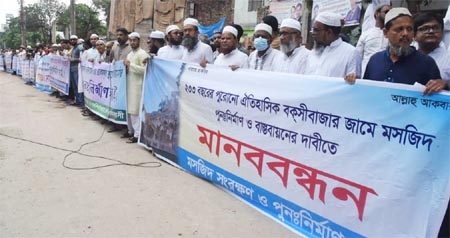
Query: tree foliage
87, 21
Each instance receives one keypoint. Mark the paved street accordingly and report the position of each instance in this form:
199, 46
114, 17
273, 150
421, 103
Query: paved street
42, 197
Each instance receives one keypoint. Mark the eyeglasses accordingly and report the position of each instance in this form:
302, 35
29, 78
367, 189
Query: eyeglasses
428, 28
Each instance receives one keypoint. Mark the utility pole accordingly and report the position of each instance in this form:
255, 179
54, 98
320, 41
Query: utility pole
22, 24
73, 29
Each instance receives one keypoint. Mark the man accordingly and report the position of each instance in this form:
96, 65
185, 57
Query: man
120, 50
299, 12
263, 57
74, 61
373, 40
217, 37
173, 49
155, 42
195, 50
135, 68
240, 33
428, 29
293, 59
447, 28
331, 56
230, 56
354, 14
400, 62
368, 19
92, 53
273, 23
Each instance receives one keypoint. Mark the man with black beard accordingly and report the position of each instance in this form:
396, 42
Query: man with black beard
155, 41
293, 59
195, 50
173, 49
400, 62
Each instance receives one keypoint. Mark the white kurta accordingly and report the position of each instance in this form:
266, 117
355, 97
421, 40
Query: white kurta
294, 64
337, 60
200, 52
442, 58
446, 38
171, 52
265, 62
135, 78
235, 57
370, 42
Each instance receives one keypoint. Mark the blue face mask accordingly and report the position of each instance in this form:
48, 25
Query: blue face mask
260, 44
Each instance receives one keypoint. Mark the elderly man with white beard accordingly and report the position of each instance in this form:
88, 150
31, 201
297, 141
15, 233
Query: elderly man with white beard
263, 58
331, 56
400, 62
293, 59
229, 54
194, 50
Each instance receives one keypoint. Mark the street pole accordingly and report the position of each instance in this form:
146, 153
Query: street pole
22, 24
73, 29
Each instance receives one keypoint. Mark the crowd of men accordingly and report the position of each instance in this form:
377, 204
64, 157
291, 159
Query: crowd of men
398, 48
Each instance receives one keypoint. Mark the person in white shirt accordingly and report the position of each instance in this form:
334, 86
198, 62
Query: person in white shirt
447, 28
195, 50
229, 54
331, 56
155, 41
428, 30
368, 20
263, 57
373, 40
173, 49
294, 55
92, 53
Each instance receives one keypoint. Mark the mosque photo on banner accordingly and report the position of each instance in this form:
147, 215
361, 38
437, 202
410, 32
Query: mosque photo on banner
350, 10
283, 9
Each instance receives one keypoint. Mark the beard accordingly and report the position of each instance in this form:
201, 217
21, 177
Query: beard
401, 51
318, 48
189, 42
288, 47
153, 49
174, 41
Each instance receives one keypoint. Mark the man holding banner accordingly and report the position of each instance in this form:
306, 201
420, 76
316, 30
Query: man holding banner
135, 76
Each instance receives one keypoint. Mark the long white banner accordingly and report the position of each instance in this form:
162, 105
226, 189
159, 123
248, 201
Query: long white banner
325, 158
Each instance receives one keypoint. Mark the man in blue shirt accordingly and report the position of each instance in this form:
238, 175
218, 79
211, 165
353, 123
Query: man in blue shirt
400, 62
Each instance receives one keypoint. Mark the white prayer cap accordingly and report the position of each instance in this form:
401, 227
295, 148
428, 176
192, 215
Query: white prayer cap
54, 45
263, 27
93, 36
291, 23
80, 41
73, 37
157, 35
191, 21
377, 4
134, 35
230, 29
329, 18
100, 42
396, 12
171, 28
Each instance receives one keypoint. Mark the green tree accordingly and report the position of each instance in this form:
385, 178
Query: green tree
11, 38
104, 6
87, 21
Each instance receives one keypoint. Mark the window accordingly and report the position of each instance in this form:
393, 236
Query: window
253, 5
192, 9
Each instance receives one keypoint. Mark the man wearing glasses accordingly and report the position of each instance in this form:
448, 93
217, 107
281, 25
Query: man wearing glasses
428, 30
400, 62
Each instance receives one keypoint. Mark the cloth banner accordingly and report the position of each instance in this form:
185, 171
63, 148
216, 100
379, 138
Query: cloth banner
43, 74
159, 117
104, 88
350, 10
27, 70
15, 58
322, 157
8, 62
60, 73
2, 62
20, 60
209, 30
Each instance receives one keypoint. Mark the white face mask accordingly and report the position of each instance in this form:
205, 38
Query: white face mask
260, 44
